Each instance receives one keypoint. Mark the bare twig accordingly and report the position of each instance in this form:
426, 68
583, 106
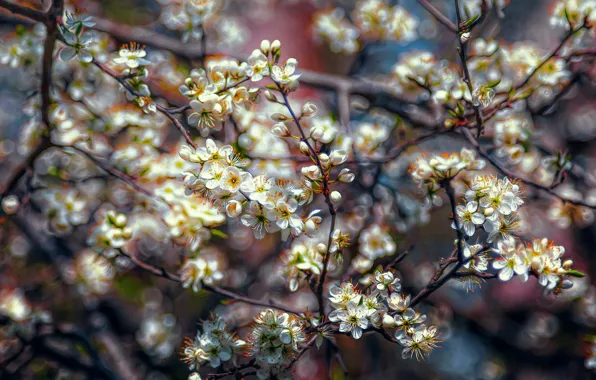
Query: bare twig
438, 15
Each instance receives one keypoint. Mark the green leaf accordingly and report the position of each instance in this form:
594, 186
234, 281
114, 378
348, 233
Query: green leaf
575, 273
219, 234
494, 83
460, 108
472, 20
452, 113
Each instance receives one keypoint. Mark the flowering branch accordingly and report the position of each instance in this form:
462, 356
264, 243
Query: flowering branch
162, 272
509, 173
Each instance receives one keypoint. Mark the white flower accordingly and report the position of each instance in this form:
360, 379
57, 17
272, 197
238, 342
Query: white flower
353, 320
133, 55
77, 46
285, 76
200, 270
258, 66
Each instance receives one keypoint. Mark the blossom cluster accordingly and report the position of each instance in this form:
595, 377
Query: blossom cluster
110, 235
274, 340
212, 345
372, 20
491, 203
429, 173
382, 306
541, 258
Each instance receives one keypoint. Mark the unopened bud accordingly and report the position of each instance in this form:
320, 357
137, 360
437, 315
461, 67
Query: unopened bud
388, 321
335, 197
270, 96
324, 158
338, 157
316, 133
345, 176
233, 209
10, 204
304, 148
322, 248
279, 117
566, 284
280, 130
464, 37
275, 46
265, 46
568, 264
309, 109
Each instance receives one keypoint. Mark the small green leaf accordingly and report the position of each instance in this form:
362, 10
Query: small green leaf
575, 273
494, 83
472, 20
460, 108
219, 234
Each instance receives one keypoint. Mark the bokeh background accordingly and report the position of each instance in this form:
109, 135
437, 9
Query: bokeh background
498, 331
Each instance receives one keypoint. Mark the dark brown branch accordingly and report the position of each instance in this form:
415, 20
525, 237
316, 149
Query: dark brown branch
24, 11
167, 112
162, 272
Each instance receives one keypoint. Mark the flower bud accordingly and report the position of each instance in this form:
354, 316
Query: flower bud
10, 204
388, 321
280, 130
265, 46
270, 96
309, 109
185, 152
316, 133
567, 264
310, 227
338, 157
566, 284
335, 197
233, 209
304, 148
345, 176
324, 158
464, 37
322, 247
312, 172
279, 117
275, 46
293, 85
